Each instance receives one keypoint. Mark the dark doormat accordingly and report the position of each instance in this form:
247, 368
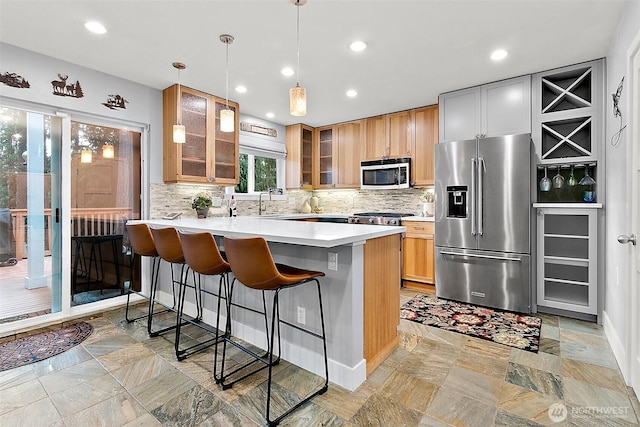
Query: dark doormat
515, 330
43, 345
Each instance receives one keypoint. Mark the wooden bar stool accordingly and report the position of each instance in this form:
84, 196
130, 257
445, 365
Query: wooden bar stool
203, 257
252, 265
142, 245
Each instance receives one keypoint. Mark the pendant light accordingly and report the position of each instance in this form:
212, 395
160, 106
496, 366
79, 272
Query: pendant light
298, 95
108, 151
179, 132
86, 156
227, 118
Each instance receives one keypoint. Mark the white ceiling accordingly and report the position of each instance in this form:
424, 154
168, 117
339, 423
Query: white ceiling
417, 48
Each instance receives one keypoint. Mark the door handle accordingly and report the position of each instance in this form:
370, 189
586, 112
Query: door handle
472, 193
627, 239
496, 257
480, 194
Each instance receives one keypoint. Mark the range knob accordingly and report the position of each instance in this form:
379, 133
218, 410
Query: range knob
371, 220
393, 222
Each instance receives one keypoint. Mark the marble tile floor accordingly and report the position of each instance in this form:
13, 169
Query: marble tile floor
121, 377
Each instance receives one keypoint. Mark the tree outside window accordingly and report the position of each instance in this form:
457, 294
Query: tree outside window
257, 174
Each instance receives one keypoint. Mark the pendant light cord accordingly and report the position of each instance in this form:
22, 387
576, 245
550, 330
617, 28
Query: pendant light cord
179, 100
227, 77
298, 44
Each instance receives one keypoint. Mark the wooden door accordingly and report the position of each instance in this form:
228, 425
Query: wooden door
375, 138
425, 121
349, 153
400, 134
293, 162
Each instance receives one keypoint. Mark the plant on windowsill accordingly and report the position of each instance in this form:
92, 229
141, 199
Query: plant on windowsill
201, 203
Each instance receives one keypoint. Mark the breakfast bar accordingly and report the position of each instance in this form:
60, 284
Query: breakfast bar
361, 289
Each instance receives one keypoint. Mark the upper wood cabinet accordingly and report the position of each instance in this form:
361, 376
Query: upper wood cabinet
500, 108
387, 136
299, 162
338, 154
425, 121
350, 141
208, 155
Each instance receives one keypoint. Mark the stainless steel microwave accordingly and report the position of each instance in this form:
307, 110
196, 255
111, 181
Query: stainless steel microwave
385, 174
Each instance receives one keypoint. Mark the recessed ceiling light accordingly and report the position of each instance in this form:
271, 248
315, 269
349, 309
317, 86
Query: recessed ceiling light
95, 27
287, 71
351, 93
358, 46
270, 115
241, 89
498, 55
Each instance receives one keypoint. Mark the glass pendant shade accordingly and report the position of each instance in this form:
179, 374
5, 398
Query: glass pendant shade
179, 134
297, 101
86, 156
108, 151
227, 120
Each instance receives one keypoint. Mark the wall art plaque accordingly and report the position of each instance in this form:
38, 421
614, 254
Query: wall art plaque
61, 88
14, 80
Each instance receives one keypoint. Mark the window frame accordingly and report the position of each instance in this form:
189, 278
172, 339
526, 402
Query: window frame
251, 194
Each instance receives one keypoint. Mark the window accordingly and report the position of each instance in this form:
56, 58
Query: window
259, 172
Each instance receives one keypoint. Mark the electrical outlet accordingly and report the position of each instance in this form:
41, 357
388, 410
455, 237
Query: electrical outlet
292, 201
333, 261
301, 316
350, 200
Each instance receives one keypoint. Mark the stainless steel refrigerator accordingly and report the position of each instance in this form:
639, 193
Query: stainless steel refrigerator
482, 221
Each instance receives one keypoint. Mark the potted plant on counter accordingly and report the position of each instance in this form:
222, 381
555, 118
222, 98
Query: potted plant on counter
201, 203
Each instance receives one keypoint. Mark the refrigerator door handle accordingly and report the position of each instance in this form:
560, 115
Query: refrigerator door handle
480, 195
473, 196
501, 258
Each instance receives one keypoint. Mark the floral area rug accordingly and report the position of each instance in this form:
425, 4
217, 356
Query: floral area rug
512, 329
40, 346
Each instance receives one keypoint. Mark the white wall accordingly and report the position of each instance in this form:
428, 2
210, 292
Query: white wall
616, 259
144, 106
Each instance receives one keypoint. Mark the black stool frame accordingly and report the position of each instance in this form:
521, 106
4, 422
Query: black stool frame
268, 359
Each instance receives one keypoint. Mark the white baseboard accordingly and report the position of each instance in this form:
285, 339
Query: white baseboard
617, 346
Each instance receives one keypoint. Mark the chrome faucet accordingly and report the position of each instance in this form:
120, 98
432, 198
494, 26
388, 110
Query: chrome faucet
270, 192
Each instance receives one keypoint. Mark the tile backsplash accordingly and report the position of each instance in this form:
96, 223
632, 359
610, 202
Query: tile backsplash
177, 198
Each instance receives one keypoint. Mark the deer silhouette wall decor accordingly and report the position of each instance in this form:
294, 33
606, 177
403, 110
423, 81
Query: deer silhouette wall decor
61, 88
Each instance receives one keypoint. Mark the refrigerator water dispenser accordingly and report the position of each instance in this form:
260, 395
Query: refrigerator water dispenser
457, 201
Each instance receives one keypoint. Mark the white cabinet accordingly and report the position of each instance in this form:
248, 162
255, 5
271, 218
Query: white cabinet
567, 113
567, 255
500, 108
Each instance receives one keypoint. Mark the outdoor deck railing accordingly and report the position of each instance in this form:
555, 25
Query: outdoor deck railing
84, 222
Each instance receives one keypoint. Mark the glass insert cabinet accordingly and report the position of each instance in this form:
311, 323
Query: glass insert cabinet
208, 154
567, 259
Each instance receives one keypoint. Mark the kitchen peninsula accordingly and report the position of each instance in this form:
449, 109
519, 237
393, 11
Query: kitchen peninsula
361, 296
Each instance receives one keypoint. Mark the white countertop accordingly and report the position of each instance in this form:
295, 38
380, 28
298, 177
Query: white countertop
278, 229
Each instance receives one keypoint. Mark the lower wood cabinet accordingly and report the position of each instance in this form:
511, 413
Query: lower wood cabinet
418, 260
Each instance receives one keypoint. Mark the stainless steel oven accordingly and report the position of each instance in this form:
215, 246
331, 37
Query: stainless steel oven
385, 174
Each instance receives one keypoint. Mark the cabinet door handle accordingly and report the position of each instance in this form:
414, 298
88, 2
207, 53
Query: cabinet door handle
418, 228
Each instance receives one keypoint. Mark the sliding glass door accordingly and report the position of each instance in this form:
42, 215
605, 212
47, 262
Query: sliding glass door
105, 194
30, 212
98, 178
